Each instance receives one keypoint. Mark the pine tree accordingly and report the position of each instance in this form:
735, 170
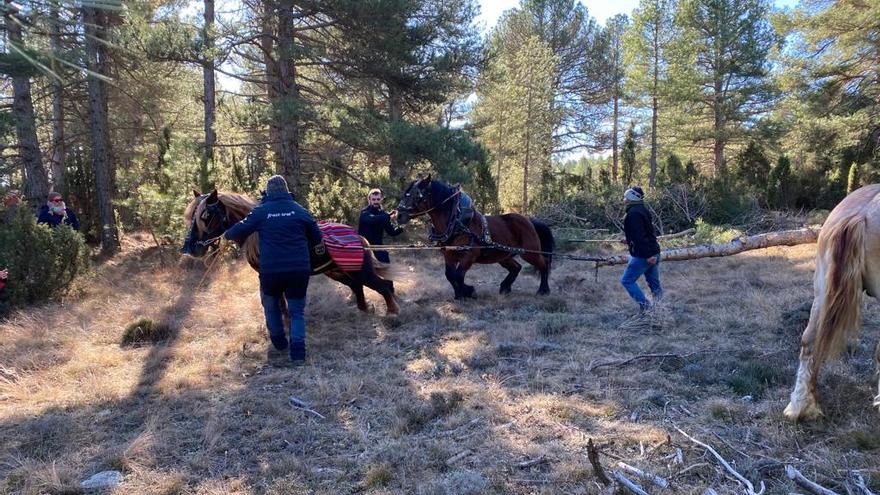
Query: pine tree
720, 68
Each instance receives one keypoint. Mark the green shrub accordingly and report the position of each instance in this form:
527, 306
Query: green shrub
42, 262
713, 234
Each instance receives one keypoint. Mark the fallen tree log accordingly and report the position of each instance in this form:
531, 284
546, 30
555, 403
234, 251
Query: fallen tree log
736, 246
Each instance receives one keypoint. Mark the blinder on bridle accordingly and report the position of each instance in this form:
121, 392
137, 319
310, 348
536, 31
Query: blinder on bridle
412, 197
195, 243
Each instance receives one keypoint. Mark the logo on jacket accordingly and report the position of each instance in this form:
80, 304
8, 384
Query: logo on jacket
276, 215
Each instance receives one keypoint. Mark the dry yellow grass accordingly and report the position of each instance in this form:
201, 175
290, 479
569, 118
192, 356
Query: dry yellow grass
446, 398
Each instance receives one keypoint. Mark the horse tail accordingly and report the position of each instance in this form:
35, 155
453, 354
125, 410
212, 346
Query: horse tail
548, 244
383, 270
843, 246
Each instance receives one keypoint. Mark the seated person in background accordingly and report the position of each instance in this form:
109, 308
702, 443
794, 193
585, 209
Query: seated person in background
55, 212
374, 221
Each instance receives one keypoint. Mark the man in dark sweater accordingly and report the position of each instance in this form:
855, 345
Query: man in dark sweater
375, 222
644, 250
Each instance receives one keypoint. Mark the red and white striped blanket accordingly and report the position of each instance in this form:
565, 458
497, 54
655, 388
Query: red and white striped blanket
344, 245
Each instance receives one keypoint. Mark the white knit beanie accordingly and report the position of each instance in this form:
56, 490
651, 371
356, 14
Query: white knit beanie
634, 194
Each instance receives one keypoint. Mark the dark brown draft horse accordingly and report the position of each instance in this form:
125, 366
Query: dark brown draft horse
491, 239
209, 215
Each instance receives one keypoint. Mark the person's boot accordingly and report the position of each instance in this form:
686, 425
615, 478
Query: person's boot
276, 355
298, 352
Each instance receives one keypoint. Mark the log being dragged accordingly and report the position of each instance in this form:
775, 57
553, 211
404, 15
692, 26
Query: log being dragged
736, 246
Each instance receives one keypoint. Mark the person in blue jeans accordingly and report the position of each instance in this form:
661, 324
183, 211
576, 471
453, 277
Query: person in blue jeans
644, 250
286, 231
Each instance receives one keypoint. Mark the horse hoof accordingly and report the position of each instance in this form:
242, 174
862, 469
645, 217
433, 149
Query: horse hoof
504, 290
803, 412
543, 292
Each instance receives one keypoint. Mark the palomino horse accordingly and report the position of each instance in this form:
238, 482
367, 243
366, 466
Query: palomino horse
847, 265
209, 215
489, 239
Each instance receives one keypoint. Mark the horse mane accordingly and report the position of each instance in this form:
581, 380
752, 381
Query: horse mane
441, 191
237, 207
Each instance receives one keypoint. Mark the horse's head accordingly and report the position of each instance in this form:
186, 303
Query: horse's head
416, 199
207, 219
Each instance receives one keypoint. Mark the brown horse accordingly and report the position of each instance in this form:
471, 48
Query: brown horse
847, 265
209, 215
489, 239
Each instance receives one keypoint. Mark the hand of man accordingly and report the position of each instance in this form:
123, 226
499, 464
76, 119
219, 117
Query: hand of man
393, 214
652, 260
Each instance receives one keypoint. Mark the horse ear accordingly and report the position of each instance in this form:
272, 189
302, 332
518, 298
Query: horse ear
196, 193
212, 198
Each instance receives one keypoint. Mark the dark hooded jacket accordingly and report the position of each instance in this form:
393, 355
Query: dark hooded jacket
639, 230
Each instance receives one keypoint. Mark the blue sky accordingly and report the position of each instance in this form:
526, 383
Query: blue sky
491, 10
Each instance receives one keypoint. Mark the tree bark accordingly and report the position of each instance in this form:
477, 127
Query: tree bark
528, 124
209, 95
95, 24
718, 121
614, 132
284, 94
36, 179
397, 165
57, 164
656, 85
736, 246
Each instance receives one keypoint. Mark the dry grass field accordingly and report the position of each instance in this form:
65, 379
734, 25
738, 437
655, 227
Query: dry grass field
494, 395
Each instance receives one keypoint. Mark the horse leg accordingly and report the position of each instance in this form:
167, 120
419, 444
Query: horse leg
452, 277
804, 402
463, 267
356, 286
513, 268
539, 262
877, 358
384, 287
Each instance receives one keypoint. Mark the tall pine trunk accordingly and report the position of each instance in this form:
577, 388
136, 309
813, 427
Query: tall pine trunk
36, 180
718, 129
614, 132
95, 23
57, 165
528, 157
208, 96
654, 109
283, 93
397, 163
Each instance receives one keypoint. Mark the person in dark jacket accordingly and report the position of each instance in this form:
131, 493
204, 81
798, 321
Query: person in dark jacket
644, 250
286, 231
54, 212
375, 222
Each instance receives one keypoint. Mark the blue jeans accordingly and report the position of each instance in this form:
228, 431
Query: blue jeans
292, 286
630, 280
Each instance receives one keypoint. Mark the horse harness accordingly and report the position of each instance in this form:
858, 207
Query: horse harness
210, 209
457, 224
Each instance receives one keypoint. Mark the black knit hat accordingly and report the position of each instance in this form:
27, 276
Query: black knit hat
276, 184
